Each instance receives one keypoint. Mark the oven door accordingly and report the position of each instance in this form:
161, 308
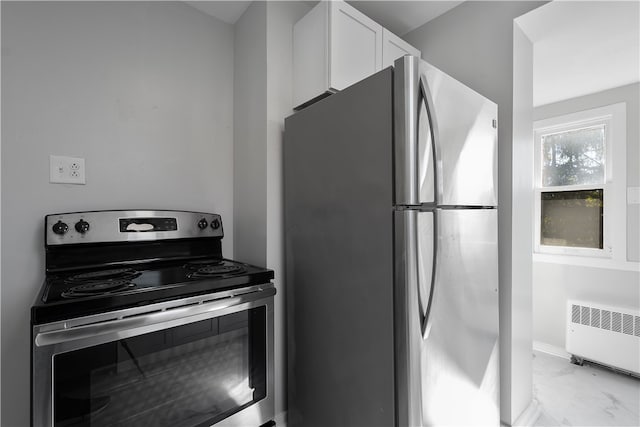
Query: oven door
191, 362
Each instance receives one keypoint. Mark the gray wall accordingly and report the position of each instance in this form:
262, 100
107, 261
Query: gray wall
474, 43
281, 15
263, 96
555, 283
249, 124
142, 91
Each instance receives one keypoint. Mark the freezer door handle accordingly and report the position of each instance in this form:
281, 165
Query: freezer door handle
426, 263
428, 152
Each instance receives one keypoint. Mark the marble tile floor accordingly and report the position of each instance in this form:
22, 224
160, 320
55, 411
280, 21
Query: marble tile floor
589, 395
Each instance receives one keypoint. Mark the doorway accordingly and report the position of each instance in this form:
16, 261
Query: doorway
567, 72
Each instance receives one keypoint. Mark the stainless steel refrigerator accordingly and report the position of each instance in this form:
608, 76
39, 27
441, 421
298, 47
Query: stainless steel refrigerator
392, 254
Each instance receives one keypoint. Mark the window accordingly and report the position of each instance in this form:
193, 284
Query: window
574, 157
580, 171
572, 218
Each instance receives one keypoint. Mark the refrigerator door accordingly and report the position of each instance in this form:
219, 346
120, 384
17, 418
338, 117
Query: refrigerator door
459, 348
409, 310
464, 128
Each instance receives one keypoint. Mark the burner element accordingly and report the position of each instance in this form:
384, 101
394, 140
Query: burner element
100, 282
212, 270
97, 288
104, 275
195, 264
218, 269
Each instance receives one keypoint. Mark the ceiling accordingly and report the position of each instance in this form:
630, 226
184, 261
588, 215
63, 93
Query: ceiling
583, 47
226, 11
403, 16
398, 16
580, 47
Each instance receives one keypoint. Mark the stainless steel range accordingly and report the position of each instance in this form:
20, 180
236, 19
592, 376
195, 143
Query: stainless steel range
142, 322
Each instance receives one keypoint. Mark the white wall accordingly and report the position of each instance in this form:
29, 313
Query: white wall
554, 284
142, 91
630, 95
519, 317
617, 284
474, 43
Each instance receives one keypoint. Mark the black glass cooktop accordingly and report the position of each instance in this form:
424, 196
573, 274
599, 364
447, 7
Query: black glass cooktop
80, 293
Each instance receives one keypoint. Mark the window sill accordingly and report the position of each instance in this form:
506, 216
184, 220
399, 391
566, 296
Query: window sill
582, 261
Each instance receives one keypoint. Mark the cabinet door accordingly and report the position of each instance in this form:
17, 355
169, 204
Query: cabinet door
393, 47
355, 46
310, 55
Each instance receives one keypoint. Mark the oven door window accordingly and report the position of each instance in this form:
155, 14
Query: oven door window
191, 375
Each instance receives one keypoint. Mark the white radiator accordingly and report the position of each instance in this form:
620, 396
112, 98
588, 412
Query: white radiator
604, 334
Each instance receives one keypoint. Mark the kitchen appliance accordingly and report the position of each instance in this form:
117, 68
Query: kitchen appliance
604, 334
392, 254
142, 322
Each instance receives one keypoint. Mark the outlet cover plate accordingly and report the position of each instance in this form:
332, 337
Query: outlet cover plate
66, 170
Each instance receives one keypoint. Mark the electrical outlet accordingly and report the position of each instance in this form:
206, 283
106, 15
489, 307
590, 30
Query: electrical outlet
66, 170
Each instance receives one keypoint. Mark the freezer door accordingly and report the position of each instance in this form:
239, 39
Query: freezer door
464, 128
405, 109
459, 347
445, 139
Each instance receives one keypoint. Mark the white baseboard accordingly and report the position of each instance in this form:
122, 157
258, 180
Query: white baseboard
529, 416
551, 349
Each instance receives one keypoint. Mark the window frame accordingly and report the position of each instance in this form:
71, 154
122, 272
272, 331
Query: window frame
614, 208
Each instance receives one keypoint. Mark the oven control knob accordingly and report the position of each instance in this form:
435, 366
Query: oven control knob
82, 226
215, 224
202, 224
60, 228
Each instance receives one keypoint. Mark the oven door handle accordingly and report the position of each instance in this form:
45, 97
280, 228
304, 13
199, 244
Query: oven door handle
167, 317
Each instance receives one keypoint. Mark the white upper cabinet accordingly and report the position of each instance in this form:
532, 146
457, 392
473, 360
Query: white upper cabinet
355, 51
334, 46
393, 47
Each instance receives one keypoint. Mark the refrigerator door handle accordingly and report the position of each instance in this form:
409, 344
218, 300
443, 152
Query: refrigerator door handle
429, 230
431, 191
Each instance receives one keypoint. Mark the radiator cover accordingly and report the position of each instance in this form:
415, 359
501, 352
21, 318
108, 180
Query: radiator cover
604, 334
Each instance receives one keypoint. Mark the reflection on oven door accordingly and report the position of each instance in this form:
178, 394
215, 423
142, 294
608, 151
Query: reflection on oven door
190, 375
